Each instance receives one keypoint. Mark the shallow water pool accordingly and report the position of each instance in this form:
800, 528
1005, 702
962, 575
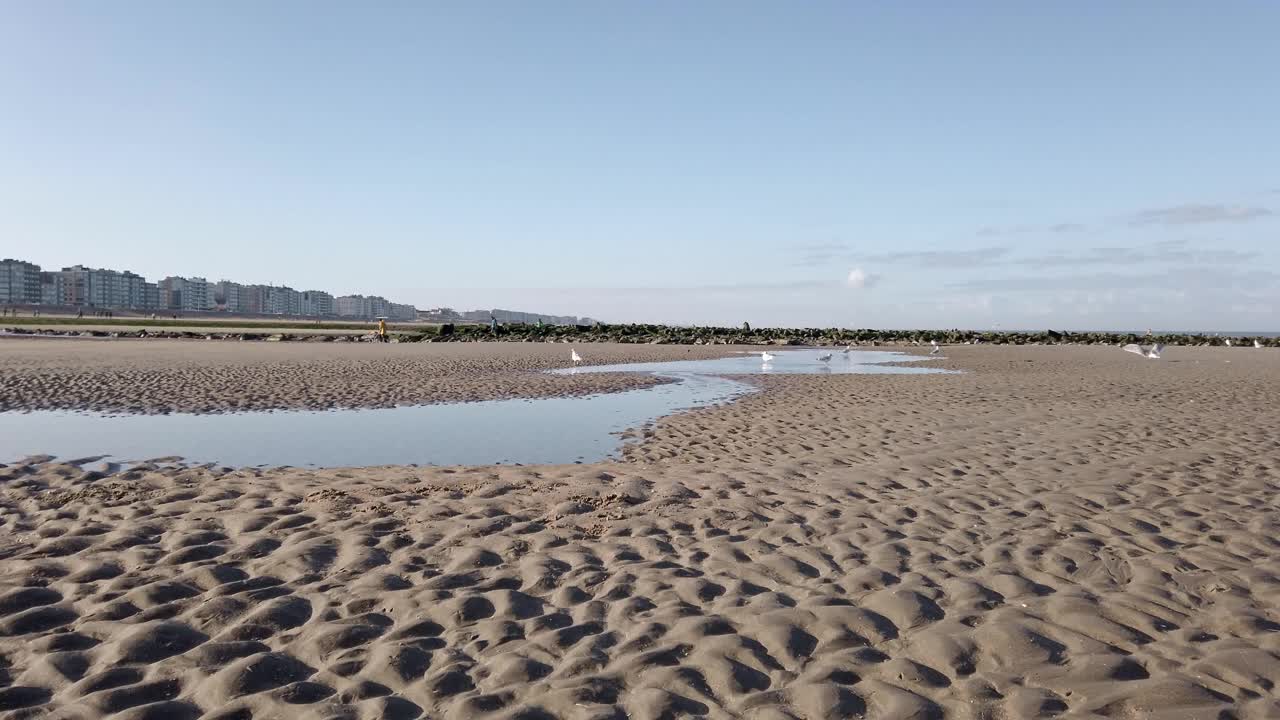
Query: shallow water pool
784, 362
542, 431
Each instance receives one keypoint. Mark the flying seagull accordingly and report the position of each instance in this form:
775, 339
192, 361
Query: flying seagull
1152, 352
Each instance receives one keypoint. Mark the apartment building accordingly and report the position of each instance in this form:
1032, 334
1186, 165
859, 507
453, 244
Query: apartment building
290, 301
185, 294
23, 282
228, 296
53, 290
403, 313
317, 303
150, 296
19, 282
353, 306
102, 288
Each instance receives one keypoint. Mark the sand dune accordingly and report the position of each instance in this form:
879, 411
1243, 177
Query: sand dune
1056, 533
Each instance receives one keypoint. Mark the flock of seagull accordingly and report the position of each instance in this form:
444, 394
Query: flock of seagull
766, 357
1151, 352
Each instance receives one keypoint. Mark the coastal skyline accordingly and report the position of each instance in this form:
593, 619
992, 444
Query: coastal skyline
1077, 167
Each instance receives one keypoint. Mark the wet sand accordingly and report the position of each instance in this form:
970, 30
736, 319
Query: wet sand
1059, 532
158, 376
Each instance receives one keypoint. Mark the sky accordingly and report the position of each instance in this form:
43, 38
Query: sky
887, 165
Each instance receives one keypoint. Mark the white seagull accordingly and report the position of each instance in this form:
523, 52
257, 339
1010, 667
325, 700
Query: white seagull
574, 356
825, 358
847, 349
766, 357
1257, 344
1152, 352
935, 349
1228, 341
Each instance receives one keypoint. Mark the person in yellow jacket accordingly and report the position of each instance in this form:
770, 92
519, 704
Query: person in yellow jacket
382, 330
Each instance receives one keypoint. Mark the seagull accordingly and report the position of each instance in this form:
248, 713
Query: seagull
1152, 352
935, 349
1256, 343
847, 349
1228, 342
766, 357
825, 358
574, 356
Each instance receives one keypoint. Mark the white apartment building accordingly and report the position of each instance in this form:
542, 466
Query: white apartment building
179, 293
103, 288
19, 282
353, 306
317, 303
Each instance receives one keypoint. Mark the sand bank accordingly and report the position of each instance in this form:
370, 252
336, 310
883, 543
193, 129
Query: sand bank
204, 377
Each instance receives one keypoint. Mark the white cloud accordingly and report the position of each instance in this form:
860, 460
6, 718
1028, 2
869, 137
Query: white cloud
860, 279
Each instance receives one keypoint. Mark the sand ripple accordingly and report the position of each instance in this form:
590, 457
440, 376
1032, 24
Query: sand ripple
1060, 537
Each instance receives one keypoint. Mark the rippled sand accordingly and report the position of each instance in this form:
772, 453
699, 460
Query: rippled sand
155, 376
1059, 532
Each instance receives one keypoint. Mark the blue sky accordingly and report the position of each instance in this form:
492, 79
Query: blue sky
970, 164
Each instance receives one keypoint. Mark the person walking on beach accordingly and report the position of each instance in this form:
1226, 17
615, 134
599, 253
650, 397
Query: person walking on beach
382, 330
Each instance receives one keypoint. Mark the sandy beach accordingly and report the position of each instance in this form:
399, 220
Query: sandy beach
1057, 532
159, 376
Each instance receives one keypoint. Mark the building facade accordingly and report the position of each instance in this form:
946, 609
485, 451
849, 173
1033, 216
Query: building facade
150, 296
185, 294
227, 296
290, 301
317, 303
53, 290
403, 313
24, 283
353, 306
19, 282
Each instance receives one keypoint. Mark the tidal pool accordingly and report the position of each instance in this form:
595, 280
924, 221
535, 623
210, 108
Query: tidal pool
541, 431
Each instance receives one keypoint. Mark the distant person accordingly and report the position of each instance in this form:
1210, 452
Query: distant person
493, 324
79, 314
382, 330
